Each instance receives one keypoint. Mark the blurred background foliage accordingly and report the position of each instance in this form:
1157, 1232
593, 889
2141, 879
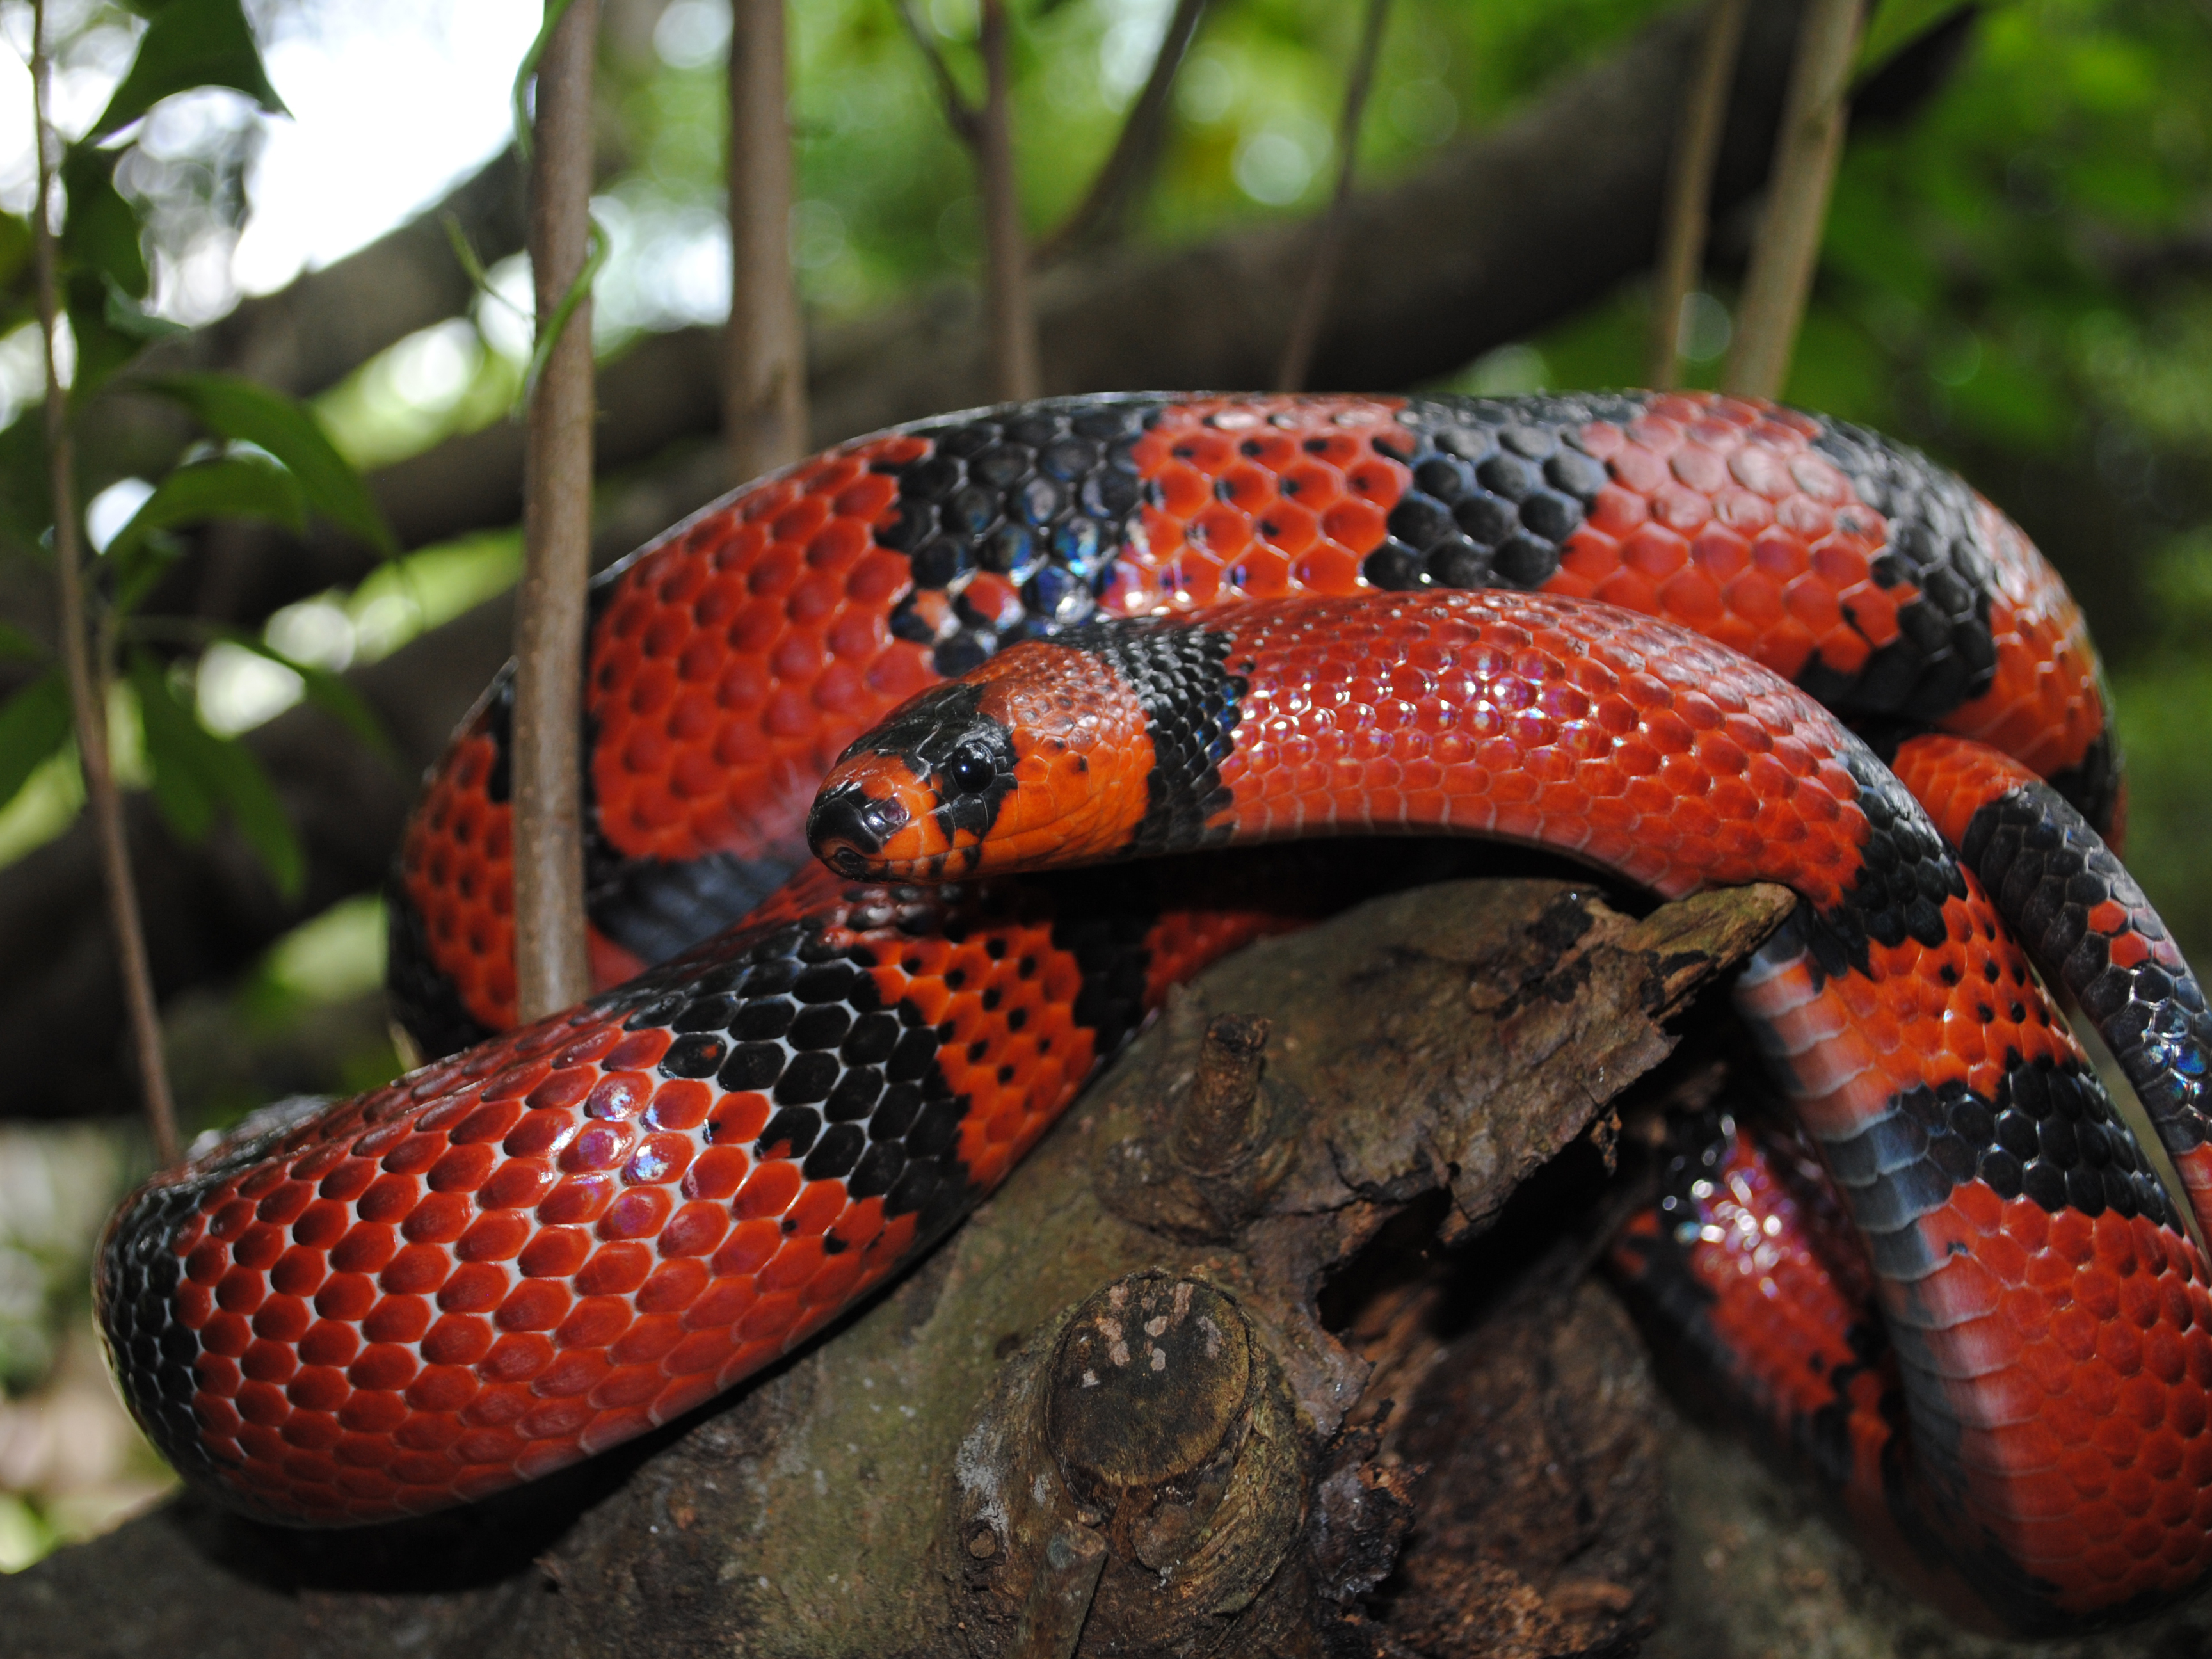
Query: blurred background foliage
2015, 278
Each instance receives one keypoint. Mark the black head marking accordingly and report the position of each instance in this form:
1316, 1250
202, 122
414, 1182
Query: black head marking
942, 735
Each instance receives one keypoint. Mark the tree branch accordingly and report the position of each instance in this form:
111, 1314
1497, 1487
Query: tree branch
764, 398
311, 334
987, 128
551, 970
1005, 254
963, 117
1689, 188
1328, 235
1788, 250
1122, 178
87, 678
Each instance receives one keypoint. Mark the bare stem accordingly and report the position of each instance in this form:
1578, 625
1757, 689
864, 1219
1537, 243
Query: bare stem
988, 131
1006, 255
87, 678
1099, 217
764, 391
1320, 275
1690, 187
1806, 151
550, 965
959, 114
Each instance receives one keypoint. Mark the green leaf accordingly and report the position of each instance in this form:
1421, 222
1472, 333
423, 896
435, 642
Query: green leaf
176, 745
330, 692
139, 569
195, 772
125, 316
102, 232
15, 642
24, 514
102, 350
287, 430
15, 246
253, 804
15, 306
231, 487
34, 723
190, 43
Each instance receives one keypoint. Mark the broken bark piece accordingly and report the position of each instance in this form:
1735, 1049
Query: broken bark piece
1219, 1125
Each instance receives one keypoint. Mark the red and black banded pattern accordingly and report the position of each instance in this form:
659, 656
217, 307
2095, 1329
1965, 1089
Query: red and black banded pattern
1972, 1142
2087, 923
730, 663
1746, 1268
517, 1257
732, 660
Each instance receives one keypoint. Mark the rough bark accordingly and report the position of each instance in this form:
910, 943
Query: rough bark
900, 1486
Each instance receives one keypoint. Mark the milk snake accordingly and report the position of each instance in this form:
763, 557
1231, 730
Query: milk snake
559, 1236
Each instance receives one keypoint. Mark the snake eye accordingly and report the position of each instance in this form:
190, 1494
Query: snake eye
970, 770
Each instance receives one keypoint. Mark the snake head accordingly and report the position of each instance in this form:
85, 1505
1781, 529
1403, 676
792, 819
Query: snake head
1033, 759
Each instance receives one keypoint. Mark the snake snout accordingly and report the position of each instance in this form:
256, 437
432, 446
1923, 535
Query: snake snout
848, 827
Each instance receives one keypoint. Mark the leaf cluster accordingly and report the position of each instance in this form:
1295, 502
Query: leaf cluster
265, 458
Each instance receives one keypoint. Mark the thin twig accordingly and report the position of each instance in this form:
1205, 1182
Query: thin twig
1690, 187
1098, 219
1006, 252
1320, 275
87, 680
764, 383
959, 114
988, 131
551, 968
1806, 151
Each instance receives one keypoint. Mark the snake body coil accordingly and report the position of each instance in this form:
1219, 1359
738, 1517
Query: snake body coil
551, 1241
